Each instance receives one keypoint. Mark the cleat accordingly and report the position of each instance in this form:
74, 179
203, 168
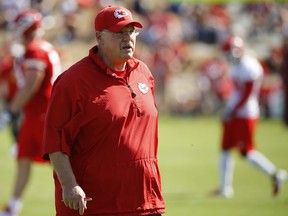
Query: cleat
227, 193
6, 212
11, 212
279, 181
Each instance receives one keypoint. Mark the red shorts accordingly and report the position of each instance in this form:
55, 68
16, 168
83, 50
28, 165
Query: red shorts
30, 139
239, 133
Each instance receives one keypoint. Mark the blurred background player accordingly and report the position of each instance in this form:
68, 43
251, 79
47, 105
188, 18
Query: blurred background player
240, 118
8, 88
36, 65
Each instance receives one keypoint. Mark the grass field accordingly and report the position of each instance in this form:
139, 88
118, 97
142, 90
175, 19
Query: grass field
188, 157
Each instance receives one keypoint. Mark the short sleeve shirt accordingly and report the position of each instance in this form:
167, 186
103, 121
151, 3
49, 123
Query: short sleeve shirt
247, 70
39, 55
108, 126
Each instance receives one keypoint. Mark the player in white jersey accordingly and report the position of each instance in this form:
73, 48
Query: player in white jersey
240, 118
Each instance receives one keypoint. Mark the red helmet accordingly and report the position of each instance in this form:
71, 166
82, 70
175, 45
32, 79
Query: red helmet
27, 22
233, 47
231, 43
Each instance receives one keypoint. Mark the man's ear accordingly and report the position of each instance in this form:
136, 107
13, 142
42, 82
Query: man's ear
98, 36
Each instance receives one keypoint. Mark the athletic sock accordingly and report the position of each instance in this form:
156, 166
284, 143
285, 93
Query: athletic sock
226, 174
261, 162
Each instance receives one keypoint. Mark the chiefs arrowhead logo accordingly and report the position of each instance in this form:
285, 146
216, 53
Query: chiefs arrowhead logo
143, 88
120, 13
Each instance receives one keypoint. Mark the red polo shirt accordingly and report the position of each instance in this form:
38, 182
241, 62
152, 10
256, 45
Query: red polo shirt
108, 126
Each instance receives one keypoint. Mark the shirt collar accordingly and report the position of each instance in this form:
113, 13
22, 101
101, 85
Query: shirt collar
131, 63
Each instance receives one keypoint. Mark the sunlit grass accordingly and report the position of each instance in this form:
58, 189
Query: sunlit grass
188, 158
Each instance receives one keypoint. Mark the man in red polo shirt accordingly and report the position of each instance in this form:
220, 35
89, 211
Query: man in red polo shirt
101, 131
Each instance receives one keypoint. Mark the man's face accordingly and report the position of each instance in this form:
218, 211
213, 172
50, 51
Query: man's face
234, 55
119, 46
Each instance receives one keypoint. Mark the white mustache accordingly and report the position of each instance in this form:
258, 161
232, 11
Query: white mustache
126, 46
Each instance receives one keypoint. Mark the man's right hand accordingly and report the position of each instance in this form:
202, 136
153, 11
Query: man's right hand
74, 198
72, 194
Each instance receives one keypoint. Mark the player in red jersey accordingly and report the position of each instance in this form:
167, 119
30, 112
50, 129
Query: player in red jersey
240, 118
34, 69
8, 84
8, 88
101, 131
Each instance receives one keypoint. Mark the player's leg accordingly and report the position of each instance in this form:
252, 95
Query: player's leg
264, 164
226, 161
226, 174
14, 205
24, 161
259, 160
23, 175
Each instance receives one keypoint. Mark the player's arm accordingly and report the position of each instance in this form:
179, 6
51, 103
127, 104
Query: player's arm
72, 194
32, 82
248, 87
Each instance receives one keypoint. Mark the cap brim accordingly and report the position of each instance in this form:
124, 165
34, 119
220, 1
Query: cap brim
121, 25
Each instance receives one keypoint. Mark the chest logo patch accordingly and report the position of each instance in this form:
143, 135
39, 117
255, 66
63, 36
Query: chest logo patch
143, 88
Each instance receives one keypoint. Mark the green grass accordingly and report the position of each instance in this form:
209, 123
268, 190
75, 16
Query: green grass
188, 157
38, 197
